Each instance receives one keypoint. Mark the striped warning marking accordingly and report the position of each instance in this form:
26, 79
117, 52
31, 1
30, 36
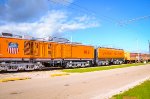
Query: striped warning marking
60, 74
13, 79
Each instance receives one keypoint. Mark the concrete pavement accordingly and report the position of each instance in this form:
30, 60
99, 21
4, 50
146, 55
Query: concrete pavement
96, 85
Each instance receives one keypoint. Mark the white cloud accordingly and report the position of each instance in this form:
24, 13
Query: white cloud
81, 22
55, 22
22, 10
62, 2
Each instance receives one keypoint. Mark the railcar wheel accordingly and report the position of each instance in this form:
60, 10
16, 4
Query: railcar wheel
12, 68
29, 67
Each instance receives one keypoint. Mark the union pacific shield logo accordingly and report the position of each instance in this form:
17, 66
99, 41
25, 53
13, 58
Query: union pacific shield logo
12, 48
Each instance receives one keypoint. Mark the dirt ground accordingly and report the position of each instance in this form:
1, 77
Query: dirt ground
92, 85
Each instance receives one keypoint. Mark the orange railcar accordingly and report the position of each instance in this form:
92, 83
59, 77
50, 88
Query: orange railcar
110, 53
106, 56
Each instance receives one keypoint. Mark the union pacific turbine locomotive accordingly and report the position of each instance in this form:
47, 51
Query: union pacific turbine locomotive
20, 53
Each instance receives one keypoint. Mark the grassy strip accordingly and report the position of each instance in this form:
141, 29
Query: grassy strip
141, 91
13, 79
91, 69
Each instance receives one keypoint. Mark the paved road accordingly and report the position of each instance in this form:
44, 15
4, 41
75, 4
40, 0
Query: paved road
95, 85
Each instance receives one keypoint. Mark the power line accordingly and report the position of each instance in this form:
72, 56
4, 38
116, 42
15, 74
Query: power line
89, 10
121, 23
85, 10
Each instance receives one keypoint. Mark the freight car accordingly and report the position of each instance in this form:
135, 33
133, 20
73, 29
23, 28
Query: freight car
107, 56
144, 57
136, 57
17, 53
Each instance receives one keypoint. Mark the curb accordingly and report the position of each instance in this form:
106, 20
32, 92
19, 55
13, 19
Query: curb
122, 89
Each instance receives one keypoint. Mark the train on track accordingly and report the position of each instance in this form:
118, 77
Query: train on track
20, 53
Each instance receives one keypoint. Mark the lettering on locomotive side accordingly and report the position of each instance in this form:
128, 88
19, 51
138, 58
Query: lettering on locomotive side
86, 52
13, 48
27, 49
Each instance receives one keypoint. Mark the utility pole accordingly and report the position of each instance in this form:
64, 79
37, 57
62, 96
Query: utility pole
138, 50
149, 46
149, 50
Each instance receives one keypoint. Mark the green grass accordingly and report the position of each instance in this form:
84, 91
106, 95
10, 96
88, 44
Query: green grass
141, 91
99, 68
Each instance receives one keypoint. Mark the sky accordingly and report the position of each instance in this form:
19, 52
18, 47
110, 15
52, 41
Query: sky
123, 24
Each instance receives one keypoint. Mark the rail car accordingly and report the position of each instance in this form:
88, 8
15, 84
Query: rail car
19, 53
107, 56
136, 57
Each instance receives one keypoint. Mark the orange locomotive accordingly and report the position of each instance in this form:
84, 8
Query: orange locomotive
17, 53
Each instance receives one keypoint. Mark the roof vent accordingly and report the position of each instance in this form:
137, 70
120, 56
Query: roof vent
56, 39
7, 34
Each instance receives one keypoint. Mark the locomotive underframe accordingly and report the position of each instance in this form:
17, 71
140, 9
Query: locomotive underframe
113, 61
36, 64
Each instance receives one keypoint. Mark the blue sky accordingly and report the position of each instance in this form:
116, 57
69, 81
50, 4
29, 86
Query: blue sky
93, 22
